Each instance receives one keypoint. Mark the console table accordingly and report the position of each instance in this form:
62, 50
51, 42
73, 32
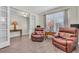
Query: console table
20, 30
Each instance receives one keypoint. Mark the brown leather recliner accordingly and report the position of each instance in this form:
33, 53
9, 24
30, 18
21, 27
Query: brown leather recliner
38, 35
66, 40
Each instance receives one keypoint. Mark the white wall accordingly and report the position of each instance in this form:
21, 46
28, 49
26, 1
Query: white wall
73, 15
78, 13
41, 20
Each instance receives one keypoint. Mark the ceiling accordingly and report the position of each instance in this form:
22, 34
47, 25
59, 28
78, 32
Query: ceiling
35, 9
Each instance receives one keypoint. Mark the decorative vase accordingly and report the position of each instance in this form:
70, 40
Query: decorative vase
14, 26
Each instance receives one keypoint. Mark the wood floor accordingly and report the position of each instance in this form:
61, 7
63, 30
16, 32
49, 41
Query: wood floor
25, 45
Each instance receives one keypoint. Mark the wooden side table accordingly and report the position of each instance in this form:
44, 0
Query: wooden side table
20, 30
49, 33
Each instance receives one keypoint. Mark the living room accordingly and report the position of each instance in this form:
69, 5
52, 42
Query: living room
22, 21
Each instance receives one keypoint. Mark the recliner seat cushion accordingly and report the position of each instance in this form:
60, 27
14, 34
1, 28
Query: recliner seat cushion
60, 41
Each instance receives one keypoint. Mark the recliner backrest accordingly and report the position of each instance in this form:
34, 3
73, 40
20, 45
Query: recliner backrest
68, 30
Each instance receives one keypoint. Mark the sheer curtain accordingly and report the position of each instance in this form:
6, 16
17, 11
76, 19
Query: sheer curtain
66, 18
58, 19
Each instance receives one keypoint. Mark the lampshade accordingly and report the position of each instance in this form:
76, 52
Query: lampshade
50, 23
14, 22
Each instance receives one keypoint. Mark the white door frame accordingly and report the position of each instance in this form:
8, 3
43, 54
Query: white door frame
7, 43
31, 25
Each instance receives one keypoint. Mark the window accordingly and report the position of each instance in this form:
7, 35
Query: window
57, 19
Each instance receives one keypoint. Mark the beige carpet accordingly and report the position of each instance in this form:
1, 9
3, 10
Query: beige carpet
25, 45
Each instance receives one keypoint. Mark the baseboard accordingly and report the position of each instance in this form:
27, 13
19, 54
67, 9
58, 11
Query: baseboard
18, 35
5, 44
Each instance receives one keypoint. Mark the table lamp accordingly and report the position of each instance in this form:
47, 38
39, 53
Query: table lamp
14, 23
50, 24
